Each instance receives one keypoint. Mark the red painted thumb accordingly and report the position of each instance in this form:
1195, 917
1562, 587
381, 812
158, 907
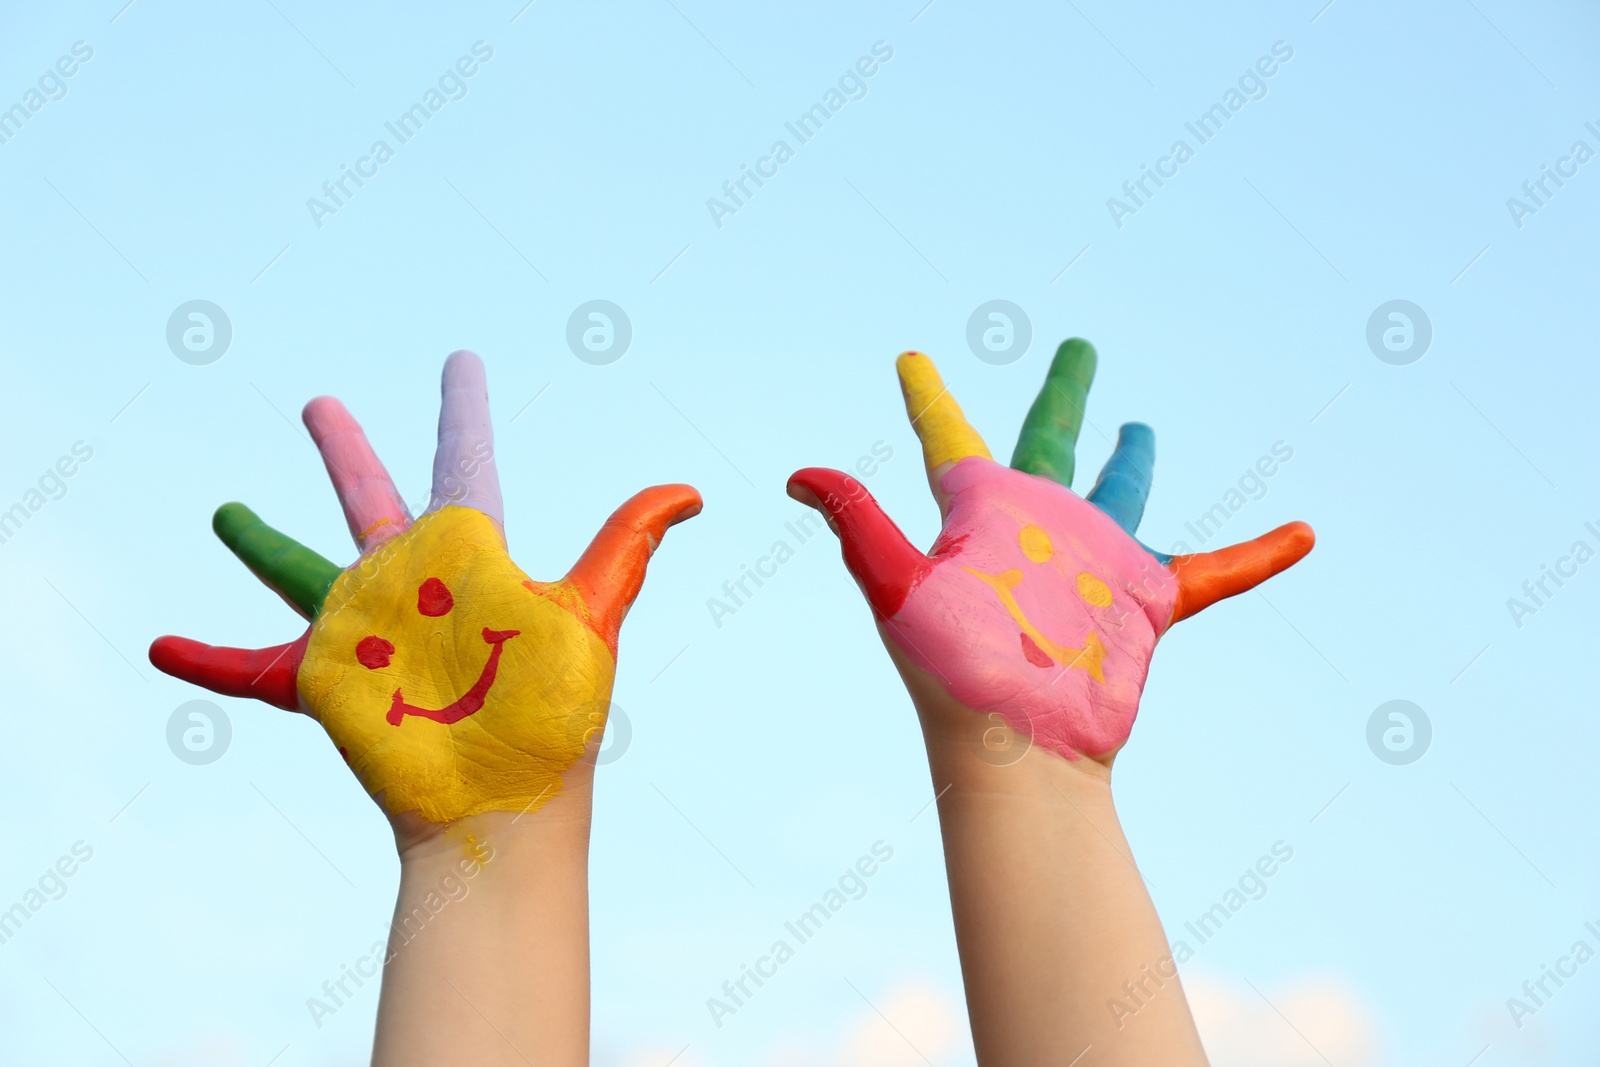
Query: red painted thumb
884, 563
263, 673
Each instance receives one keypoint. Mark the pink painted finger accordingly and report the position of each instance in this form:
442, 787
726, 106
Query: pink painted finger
464, 474
372, 506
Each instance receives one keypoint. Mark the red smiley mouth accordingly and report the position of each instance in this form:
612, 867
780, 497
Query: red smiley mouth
467, 702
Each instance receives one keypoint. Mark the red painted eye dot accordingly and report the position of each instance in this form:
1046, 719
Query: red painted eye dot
373, 652
433, 599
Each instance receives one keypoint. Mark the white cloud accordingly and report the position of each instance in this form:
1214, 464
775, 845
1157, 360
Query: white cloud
919, 1024
657, 1055
1308, 1023
911, 1024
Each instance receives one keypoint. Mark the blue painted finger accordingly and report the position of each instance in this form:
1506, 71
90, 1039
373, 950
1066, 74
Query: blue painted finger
1124, 482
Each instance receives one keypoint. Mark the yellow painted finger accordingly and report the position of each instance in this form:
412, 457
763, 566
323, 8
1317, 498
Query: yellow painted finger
945, 434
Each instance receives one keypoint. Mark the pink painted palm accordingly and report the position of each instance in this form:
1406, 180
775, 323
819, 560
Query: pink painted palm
1034, 604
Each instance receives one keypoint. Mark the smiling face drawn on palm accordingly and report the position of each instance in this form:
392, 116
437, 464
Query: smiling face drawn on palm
1034, 603
451, 682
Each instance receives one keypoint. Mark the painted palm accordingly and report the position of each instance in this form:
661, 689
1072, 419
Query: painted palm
452, 683
1034, 604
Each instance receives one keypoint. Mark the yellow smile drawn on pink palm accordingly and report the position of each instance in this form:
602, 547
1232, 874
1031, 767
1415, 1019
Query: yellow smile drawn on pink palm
1035, 544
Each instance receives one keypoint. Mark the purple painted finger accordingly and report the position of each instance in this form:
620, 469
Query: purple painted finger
464, 474
372, 506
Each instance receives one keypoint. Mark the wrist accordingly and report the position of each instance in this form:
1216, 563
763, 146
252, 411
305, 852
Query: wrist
492, 918
978, 757
980, 752
553, 833
974, 749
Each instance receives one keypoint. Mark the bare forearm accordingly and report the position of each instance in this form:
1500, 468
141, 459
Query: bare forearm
489, 951
1040, 607
1053, 920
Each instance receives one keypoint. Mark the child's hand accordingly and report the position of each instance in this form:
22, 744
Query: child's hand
450, 682
1034, 604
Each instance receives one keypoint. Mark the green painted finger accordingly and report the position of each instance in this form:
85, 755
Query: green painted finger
1050, 432
287, 567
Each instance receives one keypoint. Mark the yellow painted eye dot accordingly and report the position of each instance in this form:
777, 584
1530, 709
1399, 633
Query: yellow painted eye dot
1035, 544
1093, 590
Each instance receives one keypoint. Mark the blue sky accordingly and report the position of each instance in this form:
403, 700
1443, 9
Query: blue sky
1230, 311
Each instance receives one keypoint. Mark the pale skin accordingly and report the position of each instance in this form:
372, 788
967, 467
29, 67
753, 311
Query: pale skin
470, 701
1051, 913
1024, 637
500, 975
